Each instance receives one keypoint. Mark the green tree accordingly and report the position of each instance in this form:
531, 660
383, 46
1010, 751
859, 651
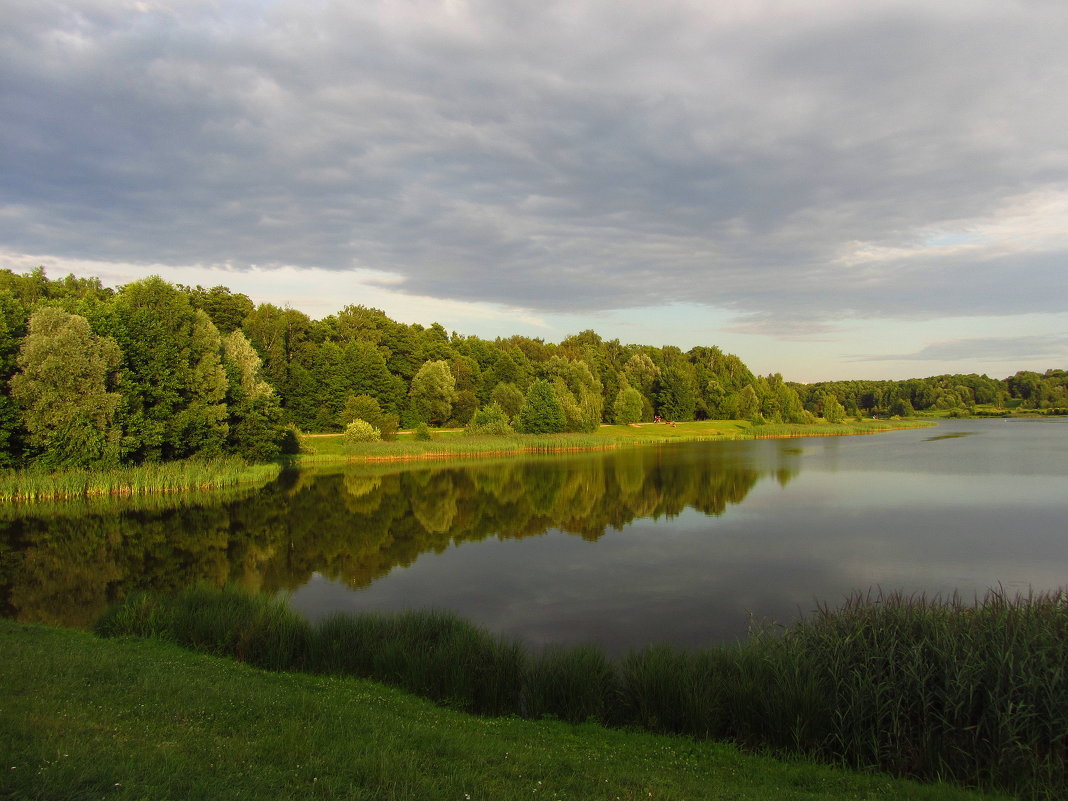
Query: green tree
509, 397
541, 412
360, 407
173, 384
578, 391
226, 309
833, 411
63, 387
491, 419
677, 397
433, 392
256, 430
13, 321
747, 404
628, 405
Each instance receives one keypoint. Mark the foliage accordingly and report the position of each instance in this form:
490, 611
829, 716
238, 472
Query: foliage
677, 395
433, 392
628, 406
63, 387
541, 412
202, 373
361, 431
922, 688
135, 719
490, 420
509, 397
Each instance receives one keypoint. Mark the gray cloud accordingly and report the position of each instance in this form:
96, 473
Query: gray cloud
558, 156
1006, 349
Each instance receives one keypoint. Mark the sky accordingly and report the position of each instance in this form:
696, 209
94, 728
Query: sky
830, 189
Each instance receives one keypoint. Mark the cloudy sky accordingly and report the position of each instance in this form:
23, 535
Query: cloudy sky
829, 189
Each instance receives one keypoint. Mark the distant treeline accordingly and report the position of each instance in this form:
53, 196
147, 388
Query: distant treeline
153, 371
955, 394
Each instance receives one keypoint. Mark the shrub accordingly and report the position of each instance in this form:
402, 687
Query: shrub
422, 432
361, 431
491, 419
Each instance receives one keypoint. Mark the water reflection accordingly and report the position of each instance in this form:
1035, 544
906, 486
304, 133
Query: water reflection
64, 563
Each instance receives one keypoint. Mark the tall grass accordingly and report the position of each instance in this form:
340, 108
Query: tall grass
165, 477
332, 449
430, 653
924, 688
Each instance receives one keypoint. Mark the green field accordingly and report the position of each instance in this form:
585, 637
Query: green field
82, 717
453, 443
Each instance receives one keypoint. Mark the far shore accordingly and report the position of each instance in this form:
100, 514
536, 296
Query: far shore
319, 448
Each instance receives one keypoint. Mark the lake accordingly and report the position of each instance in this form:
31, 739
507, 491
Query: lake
684, 543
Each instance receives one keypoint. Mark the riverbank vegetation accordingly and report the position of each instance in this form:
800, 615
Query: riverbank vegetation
96, 378
123, 719
189, 475
459, 444
930, 689
63, 562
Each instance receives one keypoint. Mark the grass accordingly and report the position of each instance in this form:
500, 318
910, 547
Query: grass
332, 448
923, 688
32, 485
82, 717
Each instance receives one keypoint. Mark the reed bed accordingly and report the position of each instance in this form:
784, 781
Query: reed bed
325, 449
33, 485
934, 689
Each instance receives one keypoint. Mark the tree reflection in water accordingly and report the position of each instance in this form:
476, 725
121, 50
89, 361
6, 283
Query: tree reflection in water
63, 563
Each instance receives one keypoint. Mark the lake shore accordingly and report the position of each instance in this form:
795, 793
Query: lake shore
134, 719
454, 444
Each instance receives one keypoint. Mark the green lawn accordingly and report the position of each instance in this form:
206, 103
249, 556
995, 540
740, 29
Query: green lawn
82, 717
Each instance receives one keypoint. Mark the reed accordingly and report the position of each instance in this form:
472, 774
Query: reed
323, 449
576, 684
34, 485
434, 654
257, 629
928, 688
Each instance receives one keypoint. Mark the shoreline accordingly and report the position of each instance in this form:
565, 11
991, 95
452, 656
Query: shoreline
458, 447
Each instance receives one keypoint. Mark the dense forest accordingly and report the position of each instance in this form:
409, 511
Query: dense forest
154, 371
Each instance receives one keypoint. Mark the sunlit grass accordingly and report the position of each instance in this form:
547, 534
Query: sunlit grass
332, 448
82, 717
924, 688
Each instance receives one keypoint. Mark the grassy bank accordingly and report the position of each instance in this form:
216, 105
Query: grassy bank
925, 689
451, 444
26, 486
82, 717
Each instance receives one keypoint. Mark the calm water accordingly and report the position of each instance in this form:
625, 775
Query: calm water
677, 544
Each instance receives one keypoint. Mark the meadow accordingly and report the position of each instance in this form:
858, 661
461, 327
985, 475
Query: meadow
124, 719
932, 689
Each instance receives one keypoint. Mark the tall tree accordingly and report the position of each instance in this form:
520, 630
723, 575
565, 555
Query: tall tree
677, 396
173, 385
13, 320
255, 417
433, 392
541, 412
64, 383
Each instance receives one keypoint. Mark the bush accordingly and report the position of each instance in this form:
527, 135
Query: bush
361, 431
422, 432
492, 420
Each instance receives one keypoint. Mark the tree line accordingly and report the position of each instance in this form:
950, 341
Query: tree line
958, 395
93, 376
